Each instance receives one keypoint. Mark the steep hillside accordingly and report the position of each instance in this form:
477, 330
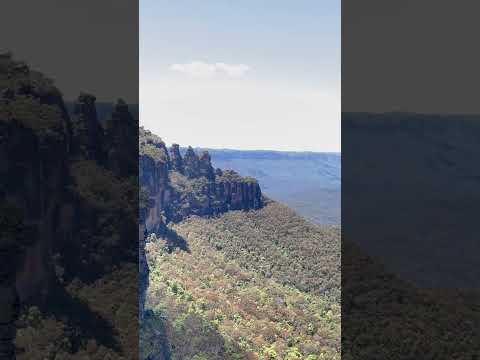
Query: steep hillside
244, 291
230, 274
384, 316
174, 187
275, 243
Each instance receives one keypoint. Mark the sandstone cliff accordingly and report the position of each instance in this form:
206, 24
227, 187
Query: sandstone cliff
67, 182
174, 187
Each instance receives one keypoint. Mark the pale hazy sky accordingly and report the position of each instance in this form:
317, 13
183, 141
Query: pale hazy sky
246, 74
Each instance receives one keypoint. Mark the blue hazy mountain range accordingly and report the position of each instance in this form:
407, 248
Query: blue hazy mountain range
308, 182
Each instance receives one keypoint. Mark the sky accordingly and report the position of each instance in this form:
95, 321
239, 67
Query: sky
242, 74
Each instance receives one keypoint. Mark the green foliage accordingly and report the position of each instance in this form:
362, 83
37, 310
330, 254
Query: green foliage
278, 244
151, 145
81, 215
413, 322
269, 353
223, 310
294, 354
43, 335
153, 336
191, 195
16, 74
113, 202
45, 120
233, 176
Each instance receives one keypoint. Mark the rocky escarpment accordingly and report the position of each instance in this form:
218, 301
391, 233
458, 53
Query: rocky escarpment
174, 187
63, 184
34, 142
154, 190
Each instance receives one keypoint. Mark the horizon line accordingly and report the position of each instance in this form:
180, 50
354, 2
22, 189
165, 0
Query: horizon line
254, 150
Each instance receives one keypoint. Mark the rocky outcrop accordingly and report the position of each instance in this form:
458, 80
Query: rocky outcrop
33, 168
177, 187
154, 162
60, 181
143, 271
113, 146
238, 193
154, 165
176, 161
87, 131
34, 152
173, 188
205, 166
192, 164
121, 145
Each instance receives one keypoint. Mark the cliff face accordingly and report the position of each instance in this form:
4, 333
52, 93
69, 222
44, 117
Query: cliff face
33, 153
176, 187
173, 188
65, 175
34, 130
67, 198
154, 190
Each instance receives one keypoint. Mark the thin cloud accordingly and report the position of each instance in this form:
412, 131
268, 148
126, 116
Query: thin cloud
232, 70
204, 70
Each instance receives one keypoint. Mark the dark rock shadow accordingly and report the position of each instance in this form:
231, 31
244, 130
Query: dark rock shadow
172, 238
175, 241
78, 315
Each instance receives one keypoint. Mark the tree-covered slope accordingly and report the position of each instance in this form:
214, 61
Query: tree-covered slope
385, 317
261, 284
276, 243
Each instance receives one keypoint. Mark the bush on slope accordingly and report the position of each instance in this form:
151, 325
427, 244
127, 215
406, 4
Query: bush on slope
277, 244
218, 310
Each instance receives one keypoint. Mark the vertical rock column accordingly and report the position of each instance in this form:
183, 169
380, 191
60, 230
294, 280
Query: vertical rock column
143, 271
121, 141
205, 165
87, 131
191, 163
176, 161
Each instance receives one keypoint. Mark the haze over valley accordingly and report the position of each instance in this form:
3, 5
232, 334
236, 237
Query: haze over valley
308, 182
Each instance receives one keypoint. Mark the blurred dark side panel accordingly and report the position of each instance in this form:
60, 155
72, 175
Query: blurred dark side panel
410, 180
69, 179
